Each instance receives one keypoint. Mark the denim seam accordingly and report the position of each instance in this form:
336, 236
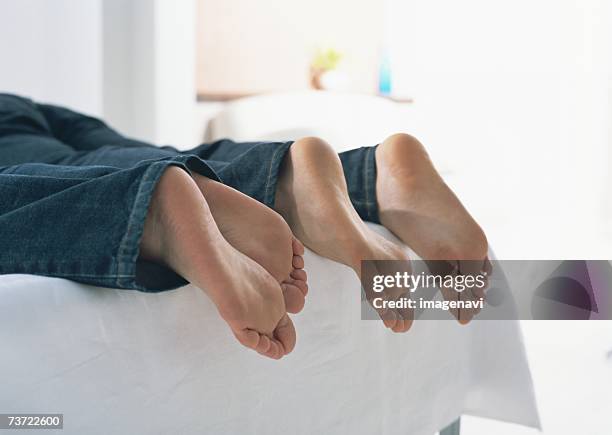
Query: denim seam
9, 174
85, 275
61, 274
274, 163
366, 179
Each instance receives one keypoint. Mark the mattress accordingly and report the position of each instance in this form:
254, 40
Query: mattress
124, 362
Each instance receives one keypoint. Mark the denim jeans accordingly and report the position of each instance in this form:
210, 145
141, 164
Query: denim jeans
74, 193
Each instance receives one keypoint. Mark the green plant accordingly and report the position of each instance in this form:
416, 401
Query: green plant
326, 59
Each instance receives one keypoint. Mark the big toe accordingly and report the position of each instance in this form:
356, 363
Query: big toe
285, 334
260, 343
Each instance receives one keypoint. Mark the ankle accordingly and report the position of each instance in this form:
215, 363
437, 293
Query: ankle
171, 218
152, 243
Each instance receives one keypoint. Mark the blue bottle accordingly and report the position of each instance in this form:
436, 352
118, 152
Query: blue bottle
384, 76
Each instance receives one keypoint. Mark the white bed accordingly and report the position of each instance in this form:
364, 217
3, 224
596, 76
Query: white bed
124, 362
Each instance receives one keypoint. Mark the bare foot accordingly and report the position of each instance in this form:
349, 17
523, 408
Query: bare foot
181, 232
312, 197
417, 205
261, 234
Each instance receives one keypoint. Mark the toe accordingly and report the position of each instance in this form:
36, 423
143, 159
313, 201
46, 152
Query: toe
302, 285
263, 346
260, 343
298, 247
400, 326
275, 350
475, 297
285, 334
389, 318
407, 314
299, 274
298, 262
407, 324
247, 337
487, 269
464, 316
467, 315
449, 294
294, 297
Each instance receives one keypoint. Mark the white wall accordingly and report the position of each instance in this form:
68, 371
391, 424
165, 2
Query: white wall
129, 61
175, 65
247, 46
51, 51
520, 89
129, 66
149, 69
516, 93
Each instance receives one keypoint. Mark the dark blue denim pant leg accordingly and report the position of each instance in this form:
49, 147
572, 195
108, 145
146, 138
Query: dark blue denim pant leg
251, 168
253, 162
82, 223
70, 222
359, 167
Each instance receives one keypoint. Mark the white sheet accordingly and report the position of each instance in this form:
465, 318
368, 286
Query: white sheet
124, 362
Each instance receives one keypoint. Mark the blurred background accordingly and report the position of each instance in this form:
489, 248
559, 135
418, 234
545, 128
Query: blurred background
513, 100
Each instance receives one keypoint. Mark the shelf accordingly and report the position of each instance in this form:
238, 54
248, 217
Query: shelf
227, 97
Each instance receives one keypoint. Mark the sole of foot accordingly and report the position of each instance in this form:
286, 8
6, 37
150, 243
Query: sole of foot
313, 198
180, 232
416, 205
261, 234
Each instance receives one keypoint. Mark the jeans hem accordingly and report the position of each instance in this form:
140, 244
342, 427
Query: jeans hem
272, 179
129, 247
